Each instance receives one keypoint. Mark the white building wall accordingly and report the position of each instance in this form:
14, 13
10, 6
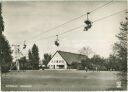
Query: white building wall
57, 60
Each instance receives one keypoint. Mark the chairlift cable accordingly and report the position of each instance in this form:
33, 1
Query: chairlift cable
74, 29
109, 15
71, 30
62, 32
101, 6
58, 26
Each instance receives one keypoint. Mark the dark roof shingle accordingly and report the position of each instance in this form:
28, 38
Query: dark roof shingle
71, 57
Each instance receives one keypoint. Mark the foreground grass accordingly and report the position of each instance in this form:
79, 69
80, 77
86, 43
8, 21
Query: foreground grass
59, 80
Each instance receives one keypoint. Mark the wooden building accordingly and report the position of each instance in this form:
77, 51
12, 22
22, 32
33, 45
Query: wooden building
63, 60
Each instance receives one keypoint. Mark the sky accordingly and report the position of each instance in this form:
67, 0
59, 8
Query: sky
28, 21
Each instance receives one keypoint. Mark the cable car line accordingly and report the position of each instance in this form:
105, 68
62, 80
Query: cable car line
60, 25
101, 6
71, 30
71, 20
83, 25
62, 32
109, 15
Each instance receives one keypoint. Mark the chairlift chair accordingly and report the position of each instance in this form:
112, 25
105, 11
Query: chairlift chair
88, 23
57, 41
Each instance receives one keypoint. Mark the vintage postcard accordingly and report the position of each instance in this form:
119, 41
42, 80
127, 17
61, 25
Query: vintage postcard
63, 45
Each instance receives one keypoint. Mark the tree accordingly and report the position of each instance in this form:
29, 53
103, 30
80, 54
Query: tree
47, 58
120, 47
35, 54
34, 57
74, 65
120, 50
5, 54
5, 49
23, 63
98, 62
86, 63
95, 62
96, 59
86, 51
114, 63
1, 20
30, 59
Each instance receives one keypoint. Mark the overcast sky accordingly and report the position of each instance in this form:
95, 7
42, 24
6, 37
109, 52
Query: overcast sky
28, 20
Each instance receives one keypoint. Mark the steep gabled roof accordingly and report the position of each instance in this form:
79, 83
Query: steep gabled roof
71, 57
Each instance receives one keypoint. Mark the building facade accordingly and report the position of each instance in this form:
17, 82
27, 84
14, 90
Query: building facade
63, 60
57, 62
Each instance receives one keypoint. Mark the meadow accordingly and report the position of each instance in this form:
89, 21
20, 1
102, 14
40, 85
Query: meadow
59, 80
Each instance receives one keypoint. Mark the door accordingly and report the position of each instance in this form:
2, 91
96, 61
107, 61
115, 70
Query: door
53, 66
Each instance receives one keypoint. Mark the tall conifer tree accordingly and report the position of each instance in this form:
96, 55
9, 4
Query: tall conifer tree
5, 49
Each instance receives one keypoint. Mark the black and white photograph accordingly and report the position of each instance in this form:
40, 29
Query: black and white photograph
63, 45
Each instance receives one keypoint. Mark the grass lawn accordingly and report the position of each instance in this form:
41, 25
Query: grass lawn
59, 80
